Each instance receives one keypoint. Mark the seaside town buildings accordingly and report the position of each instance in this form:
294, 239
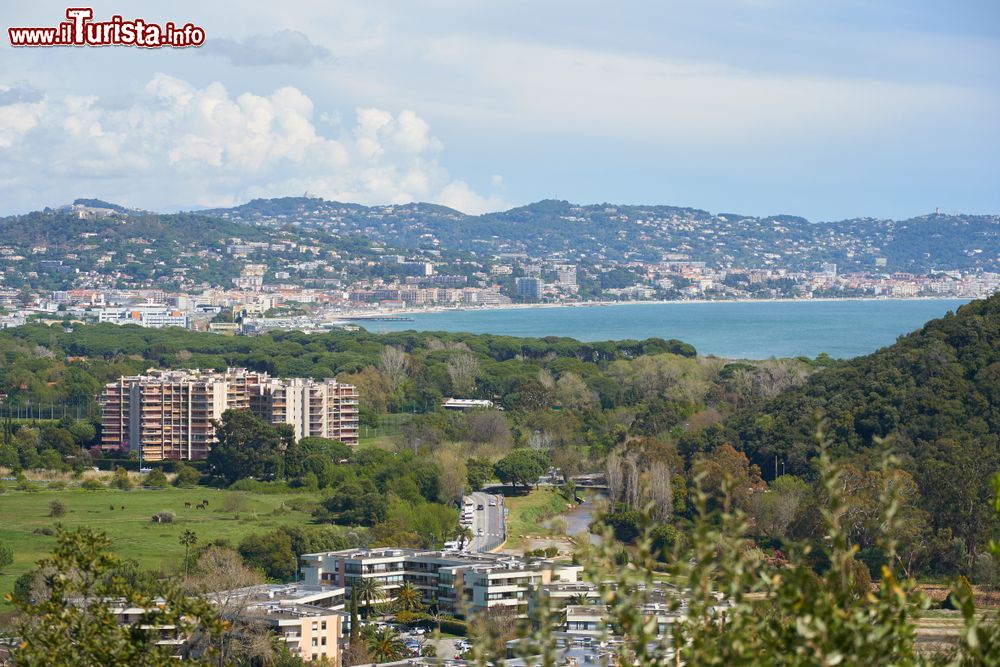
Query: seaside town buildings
169, 414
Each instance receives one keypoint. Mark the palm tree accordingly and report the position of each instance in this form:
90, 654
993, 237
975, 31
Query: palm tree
188, 539
581, 599
385, 645
408, 598
369, 591
464, 534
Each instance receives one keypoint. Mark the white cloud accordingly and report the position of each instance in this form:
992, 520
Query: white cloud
180, 145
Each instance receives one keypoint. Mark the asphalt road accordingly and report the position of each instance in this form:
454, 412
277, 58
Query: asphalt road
489, 519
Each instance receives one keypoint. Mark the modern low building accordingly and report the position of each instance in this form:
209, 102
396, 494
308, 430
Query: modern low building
170, 414
460, 583
150, 315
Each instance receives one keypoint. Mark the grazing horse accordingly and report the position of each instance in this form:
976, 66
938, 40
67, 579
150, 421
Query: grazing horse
123, 508
187, 504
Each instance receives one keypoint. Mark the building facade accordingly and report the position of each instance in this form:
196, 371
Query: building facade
170, 414
460, 583
153, 316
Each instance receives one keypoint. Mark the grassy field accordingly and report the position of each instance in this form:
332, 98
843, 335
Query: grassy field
230, 515
527, 514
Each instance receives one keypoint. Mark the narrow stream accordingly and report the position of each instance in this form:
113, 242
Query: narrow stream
578, 519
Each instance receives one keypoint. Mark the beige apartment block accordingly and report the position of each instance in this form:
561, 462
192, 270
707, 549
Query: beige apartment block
170, 414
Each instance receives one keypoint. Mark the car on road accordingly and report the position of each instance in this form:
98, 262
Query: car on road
493, 503
479, 507
480, 532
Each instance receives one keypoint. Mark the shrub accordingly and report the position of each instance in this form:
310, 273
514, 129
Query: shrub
23, 484
91, 484
407, 617
155, 479
453, 626
186, 476
57, 509
121, 480
551, 552
6, 555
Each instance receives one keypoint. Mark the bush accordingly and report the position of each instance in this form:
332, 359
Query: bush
186, 476
861, 578
91, 484
551, 552
453, 626
408, 617
57, 509
121, 480
155, 479
6, 556
23, 484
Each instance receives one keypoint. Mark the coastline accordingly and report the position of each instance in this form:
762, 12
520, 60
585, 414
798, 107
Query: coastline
409, 311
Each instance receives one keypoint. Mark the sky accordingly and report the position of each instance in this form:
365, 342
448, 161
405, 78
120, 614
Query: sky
827, 110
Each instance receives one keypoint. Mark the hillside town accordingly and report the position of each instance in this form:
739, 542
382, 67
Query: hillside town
262, 296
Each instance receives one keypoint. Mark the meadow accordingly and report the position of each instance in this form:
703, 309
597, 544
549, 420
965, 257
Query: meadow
126, 517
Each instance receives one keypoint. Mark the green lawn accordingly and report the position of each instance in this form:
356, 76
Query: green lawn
527, 513
134, 534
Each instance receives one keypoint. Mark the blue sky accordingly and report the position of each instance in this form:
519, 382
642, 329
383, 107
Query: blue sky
822, 109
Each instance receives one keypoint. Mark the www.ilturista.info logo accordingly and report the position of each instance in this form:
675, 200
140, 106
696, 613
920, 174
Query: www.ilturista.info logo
81, 30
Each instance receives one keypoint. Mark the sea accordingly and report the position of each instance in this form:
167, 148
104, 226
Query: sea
731, 329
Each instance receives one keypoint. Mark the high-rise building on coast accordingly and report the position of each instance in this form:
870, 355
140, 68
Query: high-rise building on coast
170, 413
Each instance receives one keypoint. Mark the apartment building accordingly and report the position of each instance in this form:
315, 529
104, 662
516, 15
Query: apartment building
311, 622
460, 583
169, 413
326, 409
